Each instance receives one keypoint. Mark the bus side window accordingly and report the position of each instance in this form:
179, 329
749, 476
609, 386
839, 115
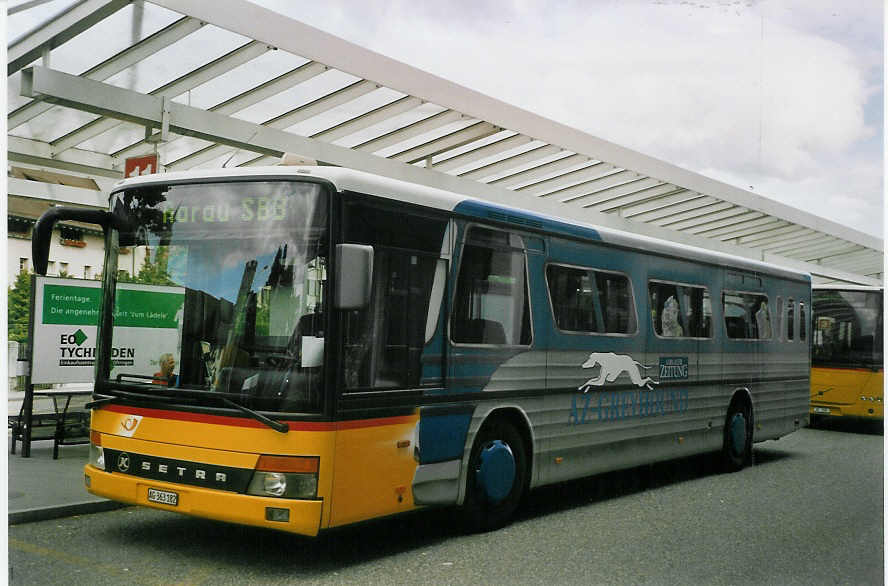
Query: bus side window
572, 293
680, 311
747, 316
491, 305
803, 330
591, 301
780, 316
790, 319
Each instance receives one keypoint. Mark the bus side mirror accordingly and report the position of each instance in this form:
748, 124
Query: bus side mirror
354, 276
42, 236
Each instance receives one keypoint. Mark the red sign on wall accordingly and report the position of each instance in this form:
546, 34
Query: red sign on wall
135, 166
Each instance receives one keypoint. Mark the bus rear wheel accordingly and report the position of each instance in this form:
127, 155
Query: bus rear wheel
497, 476
737, 447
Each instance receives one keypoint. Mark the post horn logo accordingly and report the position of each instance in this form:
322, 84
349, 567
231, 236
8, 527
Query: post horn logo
129, 424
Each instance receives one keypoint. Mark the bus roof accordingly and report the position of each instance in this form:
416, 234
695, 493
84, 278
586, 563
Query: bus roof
845, 287
345, 179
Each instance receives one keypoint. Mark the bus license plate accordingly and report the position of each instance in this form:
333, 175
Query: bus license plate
821, 410
164, 497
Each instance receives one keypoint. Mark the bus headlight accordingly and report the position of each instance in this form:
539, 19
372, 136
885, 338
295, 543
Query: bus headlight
285, 477
96, 453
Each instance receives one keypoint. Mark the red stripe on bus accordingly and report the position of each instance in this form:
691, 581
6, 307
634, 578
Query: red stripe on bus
242, 422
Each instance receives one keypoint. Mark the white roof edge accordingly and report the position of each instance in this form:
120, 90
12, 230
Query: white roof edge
386, 187
836, 287
270, 27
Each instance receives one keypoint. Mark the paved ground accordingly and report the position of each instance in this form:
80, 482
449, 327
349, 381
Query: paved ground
42, 488
809, 512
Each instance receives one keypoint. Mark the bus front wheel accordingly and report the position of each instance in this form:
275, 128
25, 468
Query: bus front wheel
497, 476
737, 447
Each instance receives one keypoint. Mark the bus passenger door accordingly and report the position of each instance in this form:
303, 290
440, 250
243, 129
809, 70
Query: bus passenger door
392, 352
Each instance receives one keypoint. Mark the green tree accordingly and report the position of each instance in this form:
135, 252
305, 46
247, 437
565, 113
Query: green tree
151, 272
19, 307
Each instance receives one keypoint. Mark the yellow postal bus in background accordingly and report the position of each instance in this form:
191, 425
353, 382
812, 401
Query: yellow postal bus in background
350, 346
847, 362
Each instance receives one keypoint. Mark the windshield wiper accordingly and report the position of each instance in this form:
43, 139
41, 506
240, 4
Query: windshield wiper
167, 393
275, 425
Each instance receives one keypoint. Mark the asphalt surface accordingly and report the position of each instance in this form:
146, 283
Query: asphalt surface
809, 512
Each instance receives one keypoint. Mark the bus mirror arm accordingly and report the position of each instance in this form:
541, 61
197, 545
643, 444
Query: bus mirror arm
354, 276
43, 230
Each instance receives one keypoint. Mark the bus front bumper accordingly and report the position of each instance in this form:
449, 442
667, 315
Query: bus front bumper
303, 516
872, 410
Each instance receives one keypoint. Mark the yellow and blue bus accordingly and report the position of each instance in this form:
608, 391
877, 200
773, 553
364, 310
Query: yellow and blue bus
349, 346
847, 363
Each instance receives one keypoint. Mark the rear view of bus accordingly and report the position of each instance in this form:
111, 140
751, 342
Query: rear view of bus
847, 360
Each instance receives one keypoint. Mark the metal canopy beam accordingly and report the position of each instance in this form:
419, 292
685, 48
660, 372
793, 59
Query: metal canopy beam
25, 150
296, 37
624, 204
405, 133
58, 31
456, 139
285, 120
536, 174
106, 100
56, 193
114, 65
483, 152
248, 98
368, 119
513, 162
173, 89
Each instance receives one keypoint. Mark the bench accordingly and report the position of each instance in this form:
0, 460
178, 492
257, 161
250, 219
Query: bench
67, 424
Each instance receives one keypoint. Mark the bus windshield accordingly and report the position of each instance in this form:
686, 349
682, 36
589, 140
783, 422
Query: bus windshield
847, 328
222, 287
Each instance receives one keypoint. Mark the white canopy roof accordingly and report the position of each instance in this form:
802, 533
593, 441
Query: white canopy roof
228, 83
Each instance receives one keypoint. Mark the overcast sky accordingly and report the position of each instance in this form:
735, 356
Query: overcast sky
784, 98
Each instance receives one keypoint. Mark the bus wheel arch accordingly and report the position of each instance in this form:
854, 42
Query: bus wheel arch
738, 432
498, 470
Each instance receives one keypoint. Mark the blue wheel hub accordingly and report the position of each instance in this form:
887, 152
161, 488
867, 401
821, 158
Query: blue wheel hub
496, 471
737, 431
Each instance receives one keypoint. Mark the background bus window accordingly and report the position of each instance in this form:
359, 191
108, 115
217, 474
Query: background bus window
847, 328
589, 301
491, 304
680, 310
747, 316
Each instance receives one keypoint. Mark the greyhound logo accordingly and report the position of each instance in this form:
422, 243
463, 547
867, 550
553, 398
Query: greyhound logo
612, 366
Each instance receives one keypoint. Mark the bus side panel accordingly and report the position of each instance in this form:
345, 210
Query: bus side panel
780, 391
606, 407
374, 469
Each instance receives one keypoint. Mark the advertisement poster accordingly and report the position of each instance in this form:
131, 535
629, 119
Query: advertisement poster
147, 325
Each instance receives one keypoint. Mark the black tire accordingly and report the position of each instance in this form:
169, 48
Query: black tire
481, 511
737, 447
